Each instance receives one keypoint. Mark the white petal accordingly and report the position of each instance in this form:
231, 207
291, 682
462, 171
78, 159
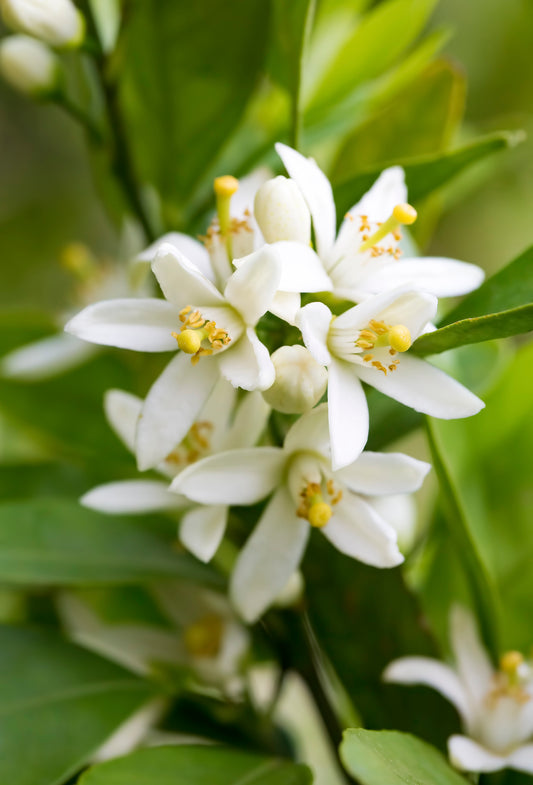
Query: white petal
413, 309
472, 661
269, 557
317, 192
181, 281
375, 473
202, 530
234, 477
358, 531
431, 673
301, 269
251, 288
348, 414
142, 324
246, 363
310, 432
188, 246
123, 410
468, 755
250, 420
243, 199
380, 200
218, 411
286, 305
46, 358
423, 387
314, 321
441, 277
171, 407
522, 759
131, 496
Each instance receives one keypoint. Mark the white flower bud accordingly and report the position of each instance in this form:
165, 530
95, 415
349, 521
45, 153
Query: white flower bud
28, 65
56, 22
281, 211
300, 381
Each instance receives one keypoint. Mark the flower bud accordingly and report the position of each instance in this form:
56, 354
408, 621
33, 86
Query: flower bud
281, 211
300, 381
56, 22
28, 65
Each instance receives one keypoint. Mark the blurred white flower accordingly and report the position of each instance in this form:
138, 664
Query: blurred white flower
306, 493
223, 424
29, 65
364, 344
56, 22
365, 258
300, 381
496, 706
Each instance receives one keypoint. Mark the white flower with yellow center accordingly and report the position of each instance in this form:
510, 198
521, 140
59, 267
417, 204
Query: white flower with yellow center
223, 424
307, 493
365, 257
495, 705
215, 333
369, 343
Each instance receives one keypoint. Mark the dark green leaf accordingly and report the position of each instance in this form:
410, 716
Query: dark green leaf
188, 765
58, 542
427, 174
501, 307
391, 758
59, 703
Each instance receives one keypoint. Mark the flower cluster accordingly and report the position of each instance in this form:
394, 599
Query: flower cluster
245, 342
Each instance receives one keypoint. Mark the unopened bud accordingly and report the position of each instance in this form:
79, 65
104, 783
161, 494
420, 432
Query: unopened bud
56, 22
281, 212
29, 65
300, 381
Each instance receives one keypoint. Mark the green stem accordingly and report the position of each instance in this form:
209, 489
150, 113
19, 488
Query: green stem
77, 113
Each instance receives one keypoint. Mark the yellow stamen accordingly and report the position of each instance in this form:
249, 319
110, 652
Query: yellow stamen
402, 214
510, 662
400, 338
379, 334
189, 341
319, 514
225, 187
194, 330
78, 259
204, 637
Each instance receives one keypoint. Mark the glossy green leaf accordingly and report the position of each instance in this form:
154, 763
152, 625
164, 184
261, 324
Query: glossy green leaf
376, 43
379, 757
187, 74
480, 581
196, 765
501, 307
58, 542
428, 173
59, 704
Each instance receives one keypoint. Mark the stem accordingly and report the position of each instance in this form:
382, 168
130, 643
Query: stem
78, 114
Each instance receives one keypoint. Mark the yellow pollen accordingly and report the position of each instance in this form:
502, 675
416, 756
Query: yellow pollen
510, 662
226, 185
204, 637
401, 214
319, 514
78, 259
405, 214
189, 341
399, 338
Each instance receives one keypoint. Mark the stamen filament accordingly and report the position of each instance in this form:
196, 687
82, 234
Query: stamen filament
402, 214
224, 188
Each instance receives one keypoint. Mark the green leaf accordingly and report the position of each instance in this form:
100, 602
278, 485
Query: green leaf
426, 174
379, 757
187, 74
480, 581
501, 307
375, 45
59, 704
58, 542
196, 765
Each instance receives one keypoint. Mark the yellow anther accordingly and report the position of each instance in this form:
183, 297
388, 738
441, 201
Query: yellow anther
319, 514
405, 214
510, 662
189, 341
78, 259
204, 637
225, 186
400, 338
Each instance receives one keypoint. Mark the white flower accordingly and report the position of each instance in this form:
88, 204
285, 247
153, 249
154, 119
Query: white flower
29, 65
214, 331
222, 425
363, 259
306, 493
495, 706
368, 343
300, 380
56, 22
